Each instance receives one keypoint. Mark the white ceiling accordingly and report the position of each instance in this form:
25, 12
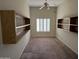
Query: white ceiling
40, 2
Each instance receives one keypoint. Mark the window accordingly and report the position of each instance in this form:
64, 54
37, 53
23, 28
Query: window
43, 24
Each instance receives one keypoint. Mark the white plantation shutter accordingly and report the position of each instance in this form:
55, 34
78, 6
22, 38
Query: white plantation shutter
43, 24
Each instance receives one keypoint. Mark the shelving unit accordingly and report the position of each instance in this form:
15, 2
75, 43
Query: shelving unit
68, 24
74, 21
13, 25
60, 23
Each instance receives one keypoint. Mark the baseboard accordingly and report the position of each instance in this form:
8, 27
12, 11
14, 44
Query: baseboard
69, 50
43, 36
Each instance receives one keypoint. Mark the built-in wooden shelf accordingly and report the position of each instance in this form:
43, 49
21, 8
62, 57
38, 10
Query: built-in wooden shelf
13, 26
69, 24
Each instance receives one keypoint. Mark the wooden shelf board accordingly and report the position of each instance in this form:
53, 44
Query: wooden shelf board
68, 24
22, 26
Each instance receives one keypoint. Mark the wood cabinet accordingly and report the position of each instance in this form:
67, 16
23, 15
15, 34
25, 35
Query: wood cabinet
13, 26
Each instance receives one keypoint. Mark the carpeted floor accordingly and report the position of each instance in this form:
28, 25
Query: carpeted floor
47, 48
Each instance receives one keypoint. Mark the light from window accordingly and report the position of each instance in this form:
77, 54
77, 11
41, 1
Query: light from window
43, 24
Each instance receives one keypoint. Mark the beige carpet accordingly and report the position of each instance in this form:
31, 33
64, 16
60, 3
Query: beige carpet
47, 48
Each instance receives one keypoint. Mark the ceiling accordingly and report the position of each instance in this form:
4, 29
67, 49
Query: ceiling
40, 2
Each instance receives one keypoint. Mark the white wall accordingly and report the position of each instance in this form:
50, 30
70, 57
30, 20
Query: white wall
14, 51
67, 9
36, 13
20, 6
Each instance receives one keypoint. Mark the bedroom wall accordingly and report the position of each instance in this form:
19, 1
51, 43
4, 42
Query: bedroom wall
36, 13
68, 8
14, 51
20, 6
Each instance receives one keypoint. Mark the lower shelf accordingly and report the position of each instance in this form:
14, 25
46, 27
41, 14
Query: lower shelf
18, 37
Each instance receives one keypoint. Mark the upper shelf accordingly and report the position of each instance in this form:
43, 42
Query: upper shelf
22, 26
67, 24
21, 21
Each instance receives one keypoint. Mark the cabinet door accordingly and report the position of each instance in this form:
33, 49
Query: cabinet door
8, 27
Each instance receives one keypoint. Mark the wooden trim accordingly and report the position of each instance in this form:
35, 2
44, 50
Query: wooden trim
22, 26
